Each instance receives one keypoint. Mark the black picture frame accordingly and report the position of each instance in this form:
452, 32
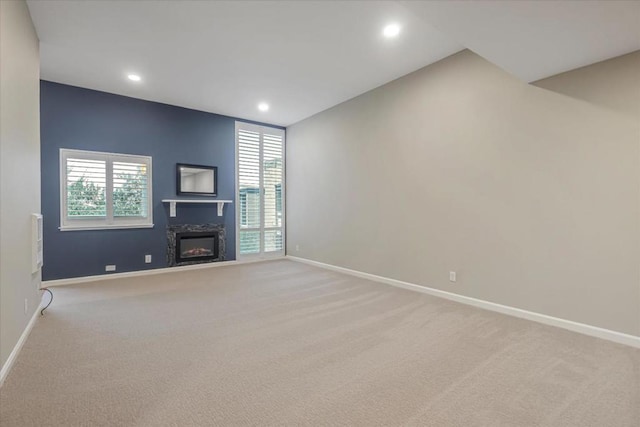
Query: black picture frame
180, 185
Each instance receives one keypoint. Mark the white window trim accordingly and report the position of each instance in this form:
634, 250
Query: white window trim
110, 222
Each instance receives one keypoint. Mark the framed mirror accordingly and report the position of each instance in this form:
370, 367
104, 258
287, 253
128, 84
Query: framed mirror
196, 180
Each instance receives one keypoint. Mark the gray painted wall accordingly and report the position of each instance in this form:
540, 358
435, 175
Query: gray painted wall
530, 195
19, 170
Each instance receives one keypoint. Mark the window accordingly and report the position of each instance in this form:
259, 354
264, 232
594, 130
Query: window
260, 184
249, 200
104, 190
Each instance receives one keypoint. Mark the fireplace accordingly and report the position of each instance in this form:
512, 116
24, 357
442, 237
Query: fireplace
194, 244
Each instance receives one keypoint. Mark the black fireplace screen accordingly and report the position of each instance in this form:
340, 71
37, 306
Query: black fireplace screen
196, 246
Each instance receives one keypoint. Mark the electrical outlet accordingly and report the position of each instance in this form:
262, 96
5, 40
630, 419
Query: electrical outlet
452, 276
147, 259
297, 248
109, 268
26, 306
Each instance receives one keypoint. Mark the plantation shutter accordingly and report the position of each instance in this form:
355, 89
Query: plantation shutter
273, 174
249, 190
260, 154
86, 183
130, 184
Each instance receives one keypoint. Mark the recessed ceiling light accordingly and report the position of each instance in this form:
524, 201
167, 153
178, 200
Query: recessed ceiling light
134, 77
391, 30
263, 106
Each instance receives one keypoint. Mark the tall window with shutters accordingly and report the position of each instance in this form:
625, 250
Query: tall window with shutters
260, 186
104, 190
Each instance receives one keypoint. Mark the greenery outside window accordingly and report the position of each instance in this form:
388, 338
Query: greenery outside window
104, 190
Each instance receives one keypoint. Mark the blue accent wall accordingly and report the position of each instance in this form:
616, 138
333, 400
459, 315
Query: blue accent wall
77, 118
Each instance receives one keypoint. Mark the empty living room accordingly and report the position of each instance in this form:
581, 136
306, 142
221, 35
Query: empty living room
320, 213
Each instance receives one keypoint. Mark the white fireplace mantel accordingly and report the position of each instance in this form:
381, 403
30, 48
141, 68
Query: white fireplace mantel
173, 202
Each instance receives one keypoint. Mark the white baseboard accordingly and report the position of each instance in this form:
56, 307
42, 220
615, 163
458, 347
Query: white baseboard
150, 272
594, 331
4, 372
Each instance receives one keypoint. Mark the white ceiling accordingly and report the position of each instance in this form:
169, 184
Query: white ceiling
225, 57
306, 56
537, 39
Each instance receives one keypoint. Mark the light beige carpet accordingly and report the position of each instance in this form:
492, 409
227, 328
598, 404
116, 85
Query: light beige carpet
282, 343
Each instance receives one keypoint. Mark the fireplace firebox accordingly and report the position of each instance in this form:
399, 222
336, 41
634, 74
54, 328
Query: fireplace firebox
195, 243
196, 246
